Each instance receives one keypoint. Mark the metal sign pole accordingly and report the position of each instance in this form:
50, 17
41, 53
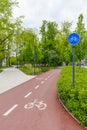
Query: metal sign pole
73, 65
73, 39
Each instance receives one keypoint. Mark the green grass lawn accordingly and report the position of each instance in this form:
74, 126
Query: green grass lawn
74, 98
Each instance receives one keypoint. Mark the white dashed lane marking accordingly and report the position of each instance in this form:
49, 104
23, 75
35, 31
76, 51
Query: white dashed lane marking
42, 82
28, 94
10, 110
16, 105
37, 87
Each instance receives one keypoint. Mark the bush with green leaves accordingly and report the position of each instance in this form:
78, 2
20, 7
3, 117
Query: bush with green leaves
74, 97
0, 71
29, 69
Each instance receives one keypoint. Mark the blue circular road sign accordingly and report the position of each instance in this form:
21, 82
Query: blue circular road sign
73, 38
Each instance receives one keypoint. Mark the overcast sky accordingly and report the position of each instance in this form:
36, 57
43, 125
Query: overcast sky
52, 10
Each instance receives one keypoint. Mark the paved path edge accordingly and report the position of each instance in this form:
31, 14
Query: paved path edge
69, 111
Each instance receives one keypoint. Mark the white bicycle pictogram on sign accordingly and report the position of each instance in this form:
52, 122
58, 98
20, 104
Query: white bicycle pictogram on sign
74, 39
40, 105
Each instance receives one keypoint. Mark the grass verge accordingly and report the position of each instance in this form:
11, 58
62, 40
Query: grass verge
0, 71
74, 98
29, 70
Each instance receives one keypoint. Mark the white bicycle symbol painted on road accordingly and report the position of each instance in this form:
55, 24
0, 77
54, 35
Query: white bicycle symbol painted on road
40, 105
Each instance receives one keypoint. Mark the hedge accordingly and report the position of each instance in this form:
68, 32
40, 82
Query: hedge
74, 98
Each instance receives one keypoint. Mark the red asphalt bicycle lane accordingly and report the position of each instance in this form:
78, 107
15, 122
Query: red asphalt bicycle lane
34, 105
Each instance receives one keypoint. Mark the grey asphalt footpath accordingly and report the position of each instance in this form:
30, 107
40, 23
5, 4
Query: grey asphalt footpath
11, 77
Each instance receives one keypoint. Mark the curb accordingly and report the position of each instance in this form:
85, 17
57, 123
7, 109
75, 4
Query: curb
69, 112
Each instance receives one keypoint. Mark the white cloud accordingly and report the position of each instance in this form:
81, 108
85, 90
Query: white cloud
53, 10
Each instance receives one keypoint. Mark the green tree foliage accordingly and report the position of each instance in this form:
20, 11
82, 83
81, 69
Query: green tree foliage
62, 45
81, 47
29, 43
6, 27
48, 33
17, 44
26, 53
51, 49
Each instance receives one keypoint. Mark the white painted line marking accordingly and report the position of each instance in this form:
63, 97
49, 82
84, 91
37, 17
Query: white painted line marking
37, 87
28, 94
42, 82
10, 110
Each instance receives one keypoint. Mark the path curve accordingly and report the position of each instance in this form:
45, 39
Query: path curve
37, 91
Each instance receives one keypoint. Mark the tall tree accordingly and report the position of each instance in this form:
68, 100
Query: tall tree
17, 40
48, 33
5, 26
81, 47
62, 46
30, 47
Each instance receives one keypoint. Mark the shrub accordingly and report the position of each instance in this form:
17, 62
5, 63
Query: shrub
29, 69
0, 71
74, 98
